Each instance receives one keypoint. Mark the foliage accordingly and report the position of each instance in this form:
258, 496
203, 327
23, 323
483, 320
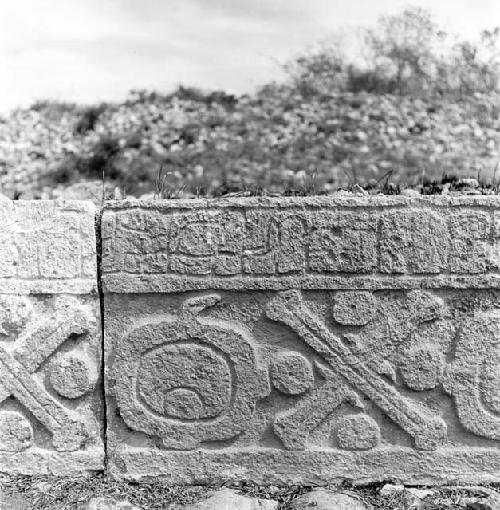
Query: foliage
406, 54
98, 163
475, 66
404, 49
276, 140
89, 118
414, 105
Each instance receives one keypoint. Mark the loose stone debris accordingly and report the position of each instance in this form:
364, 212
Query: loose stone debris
78, 493
227, 499
108, 503
322, 499
390, 489
411, 497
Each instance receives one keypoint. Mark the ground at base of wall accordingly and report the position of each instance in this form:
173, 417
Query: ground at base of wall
84, 493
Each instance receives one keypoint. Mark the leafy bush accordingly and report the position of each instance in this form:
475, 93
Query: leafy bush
405, 54
99, 163
404, 49
89, 118
475, 66
182, 93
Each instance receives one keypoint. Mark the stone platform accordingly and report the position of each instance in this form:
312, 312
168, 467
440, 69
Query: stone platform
303, 340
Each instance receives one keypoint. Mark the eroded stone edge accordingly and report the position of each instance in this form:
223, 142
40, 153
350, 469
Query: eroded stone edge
320, 201
444, 466
41, 462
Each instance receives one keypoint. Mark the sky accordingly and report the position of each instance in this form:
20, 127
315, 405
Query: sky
88, 51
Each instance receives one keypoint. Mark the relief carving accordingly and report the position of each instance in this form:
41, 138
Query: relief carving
350, 337
194, 377
27, 343
473, 378
259, 242
189, 379
428, 431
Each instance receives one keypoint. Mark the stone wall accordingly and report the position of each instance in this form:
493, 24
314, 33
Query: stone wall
287, 340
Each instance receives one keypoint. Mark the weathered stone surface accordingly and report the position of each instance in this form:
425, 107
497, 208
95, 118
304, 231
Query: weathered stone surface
303, 340
47, 247
322, 499
227, 499
316, 243
50, 395
358, 432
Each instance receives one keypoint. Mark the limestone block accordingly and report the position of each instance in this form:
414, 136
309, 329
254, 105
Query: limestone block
51, 409
322, 499
303, 340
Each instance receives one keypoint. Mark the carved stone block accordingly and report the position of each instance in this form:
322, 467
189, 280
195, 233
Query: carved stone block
303, 340
51, 410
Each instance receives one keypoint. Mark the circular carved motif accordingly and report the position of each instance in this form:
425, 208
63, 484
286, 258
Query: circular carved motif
291, 373
185, 380
358, 432
71, 376
188, 381
16, 432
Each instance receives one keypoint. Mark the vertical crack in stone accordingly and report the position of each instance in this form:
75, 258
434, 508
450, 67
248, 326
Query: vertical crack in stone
98, 238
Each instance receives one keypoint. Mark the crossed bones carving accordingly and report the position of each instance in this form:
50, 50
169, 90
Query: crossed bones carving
288, 307
17, 368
